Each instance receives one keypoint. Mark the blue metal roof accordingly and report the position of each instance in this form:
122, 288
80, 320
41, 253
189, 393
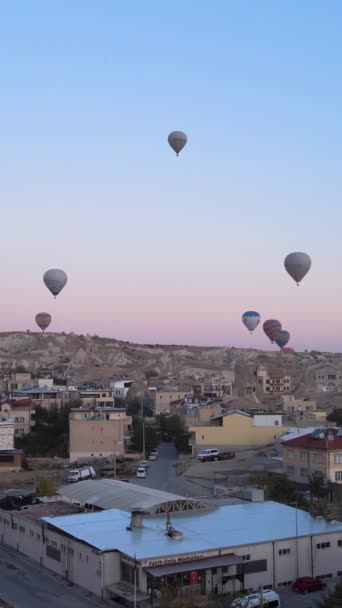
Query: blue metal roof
228, 526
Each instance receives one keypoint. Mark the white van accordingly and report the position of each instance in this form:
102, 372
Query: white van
141, 472
270, 599
213, 452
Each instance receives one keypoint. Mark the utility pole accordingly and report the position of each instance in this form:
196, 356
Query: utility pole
114, 460
143, 431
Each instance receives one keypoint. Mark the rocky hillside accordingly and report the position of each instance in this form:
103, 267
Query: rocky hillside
93, 358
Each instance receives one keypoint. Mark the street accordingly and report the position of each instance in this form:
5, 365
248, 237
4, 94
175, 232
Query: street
24, 584
161, 473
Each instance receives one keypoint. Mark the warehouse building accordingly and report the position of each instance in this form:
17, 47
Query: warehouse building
230, 548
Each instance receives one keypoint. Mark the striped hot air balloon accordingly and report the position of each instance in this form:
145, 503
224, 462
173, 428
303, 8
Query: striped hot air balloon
272, 329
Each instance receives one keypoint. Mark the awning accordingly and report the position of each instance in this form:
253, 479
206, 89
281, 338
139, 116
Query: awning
196, 564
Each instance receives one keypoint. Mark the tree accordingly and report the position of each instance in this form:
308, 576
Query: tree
333, 600
20, 369
151, 440
46, 487
316, 483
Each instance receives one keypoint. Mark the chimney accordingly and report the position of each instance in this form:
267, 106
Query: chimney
137, 516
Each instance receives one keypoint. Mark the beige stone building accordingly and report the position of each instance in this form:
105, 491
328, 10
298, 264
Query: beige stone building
215, 387
163, 400
273, 382
98, 432
237, 429
19, 381
200, 413
320, 451
291, 403
21, 412
6, 433
97, 398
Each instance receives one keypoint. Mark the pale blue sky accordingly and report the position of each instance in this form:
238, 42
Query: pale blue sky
160, 249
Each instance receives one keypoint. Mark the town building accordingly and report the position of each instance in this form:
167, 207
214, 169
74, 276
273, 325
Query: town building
328, 380
45, 397
290, 403
317, 452
214, 387
163, 400
124, 556
120, 388
273, 382
235, 428
22, 412
199, 413
18, 381
10, 458
98, 432
97, 398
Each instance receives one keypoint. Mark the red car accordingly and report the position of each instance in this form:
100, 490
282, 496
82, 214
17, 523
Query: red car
307, 583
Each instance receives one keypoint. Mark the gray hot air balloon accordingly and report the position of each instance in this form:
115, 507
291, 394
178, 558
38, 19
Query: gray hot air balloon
43, 320
297, 265
177, 141
283, 338
55, 280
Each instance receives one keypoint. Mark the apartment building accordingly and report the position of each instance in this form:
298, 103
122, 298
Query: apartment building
164, 399
98, 432
21, 412
328, 380
120, 388
19, 381
273, 382
97, 398
45, 397
319, 451
214, 387
237, 429
290, 403
10, 458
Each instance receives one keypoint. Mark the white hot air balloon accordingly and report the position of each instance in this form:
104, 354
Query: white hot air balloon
177, 141
297, 265
251, 319
55, 280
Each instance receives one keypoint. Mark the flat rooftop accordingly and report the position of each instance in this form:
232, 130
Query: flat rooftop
49, 509
225, 527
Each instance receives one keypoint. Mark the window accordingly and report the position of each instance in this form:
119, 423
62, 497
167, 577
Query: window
339, 543
16, 419
80, 556
338, 475
290, 469
22, 431
22, 529
303, 455
71, 551
323, 545
31, 533
317, 458
246, 558
37, 536
290, 453
54, 544
304, 472
16, 431
286, 551
22, 420
338, 458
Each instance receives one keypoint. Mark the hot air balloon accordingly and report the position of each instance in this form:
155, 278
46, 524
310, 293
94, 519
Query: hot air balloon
177, 141
297, 265
55, 280
43, 320
282, 339
272, 329
287, 350
251, 320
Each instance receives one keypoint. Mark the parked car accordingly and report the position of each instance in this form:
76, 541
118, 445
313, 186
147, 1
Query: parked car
213, 452
308, 583
144, 463
269, 598
153, 455
220, 456
141, 472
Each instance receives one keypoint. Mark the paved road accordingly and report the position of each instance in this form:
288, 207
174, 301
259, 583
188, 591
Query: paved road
290, 599
23, 584
161, 474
